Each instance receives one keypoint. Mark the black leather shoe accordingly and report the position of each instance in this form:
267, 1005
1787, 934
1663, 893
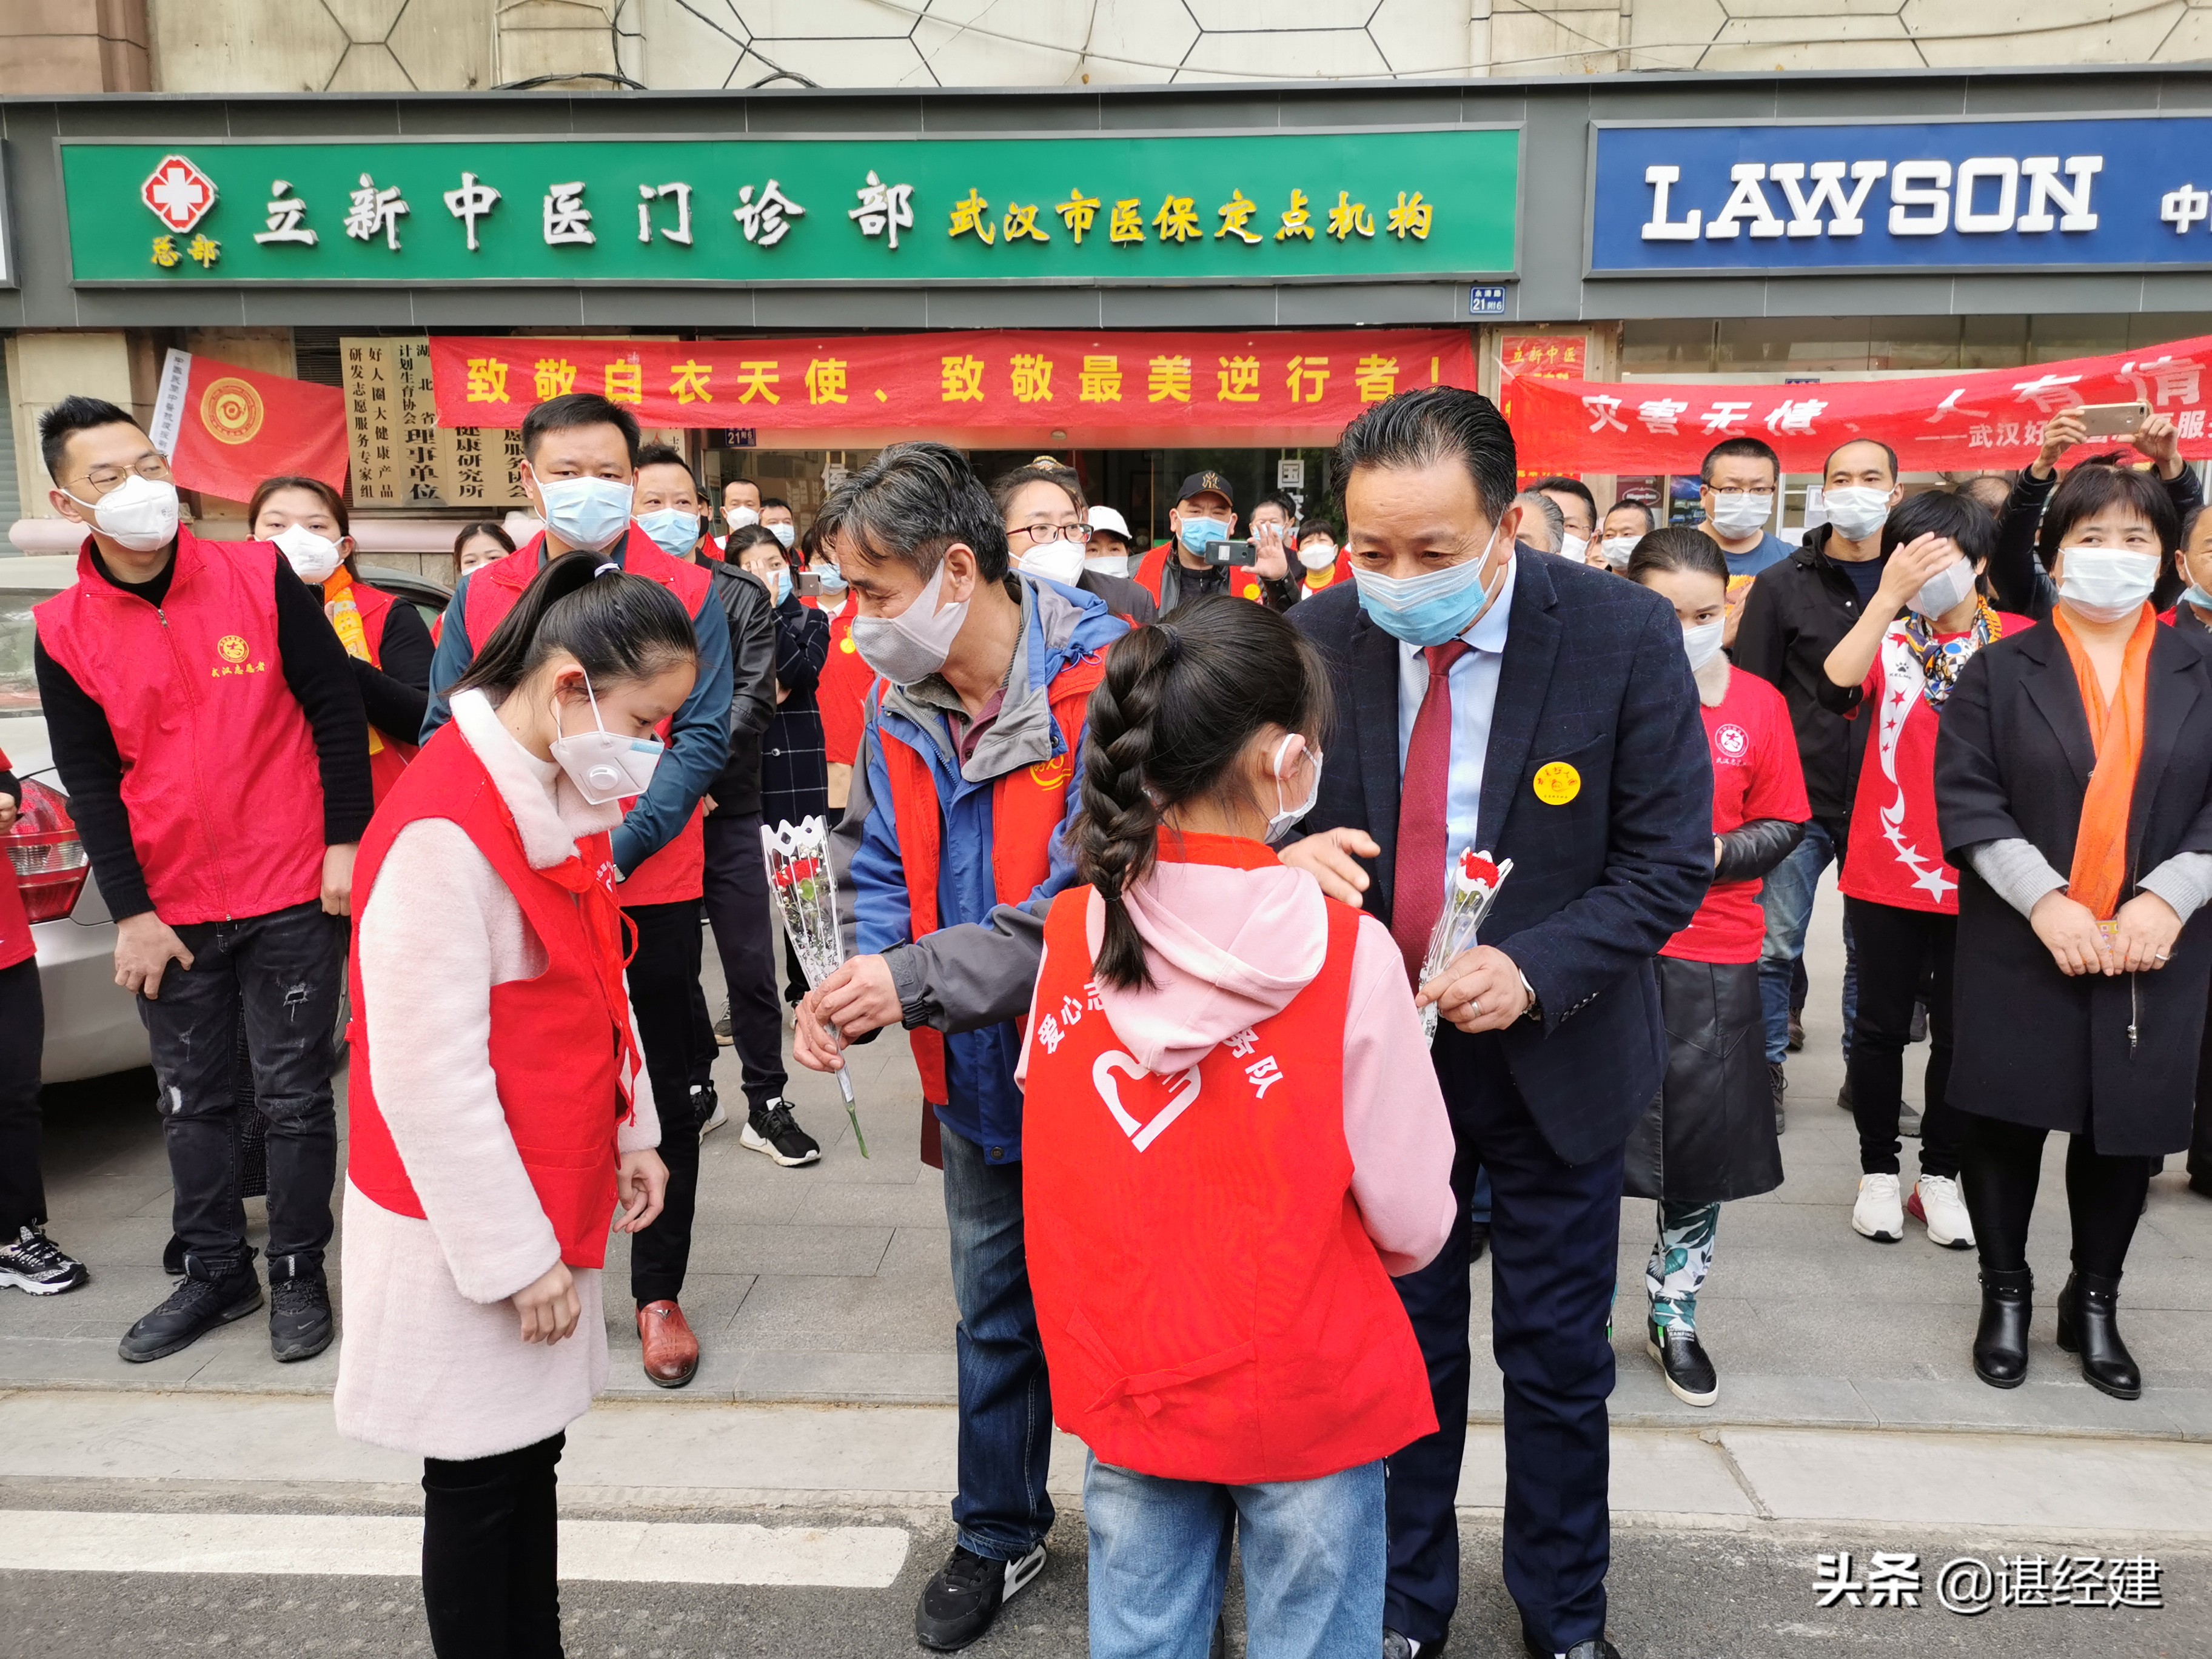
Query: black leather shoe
300, 1322
2000, 1340
1595, 1647
1397, 1646
1682, 1362
962, 1600
2088, 1324
1478, 1239
201, 1301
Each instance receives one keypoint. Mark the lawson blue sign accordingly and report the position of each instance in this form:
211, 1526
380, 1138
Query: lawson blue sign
2094, 193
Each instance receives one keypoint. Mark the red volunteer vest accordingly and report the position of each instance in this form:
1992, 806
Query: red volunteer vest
560, 1043
1211, 1306
841, 693
220, 773
678, 870
16, 943
1026, 806
389, 757
1150, 569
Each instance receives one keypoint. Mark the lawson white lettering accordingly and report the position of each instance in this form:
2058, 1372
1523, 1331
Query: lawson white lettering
1982, 196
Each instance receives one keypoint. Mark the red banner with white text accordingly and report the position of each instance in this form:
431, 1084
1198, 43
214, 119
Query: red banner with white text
984, 387
1949, 423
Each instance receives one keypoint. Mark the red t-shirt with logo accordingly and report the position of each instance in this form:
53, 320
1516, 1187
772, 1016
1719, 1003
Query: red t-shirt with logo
1896, 853
1755, 775
16, 943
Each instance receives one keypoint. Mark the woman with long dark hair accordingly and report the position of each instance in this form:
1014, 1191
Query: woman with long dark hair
500, 1105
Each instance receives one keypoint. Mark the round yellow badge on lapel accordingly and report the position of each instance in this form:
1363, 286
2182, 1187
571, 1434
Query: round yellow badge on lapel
1558, 783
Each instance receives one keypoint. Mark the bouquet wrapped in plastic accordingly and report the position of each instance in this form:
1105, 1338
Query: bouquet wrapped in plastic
1470, 889
798, 857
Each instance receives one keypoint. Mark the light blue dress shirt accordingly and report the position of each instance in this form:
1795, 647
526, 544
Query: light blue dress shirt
1473, 683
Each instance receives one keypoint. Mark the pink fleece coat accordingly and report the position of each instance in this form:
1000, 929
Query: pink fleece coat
1228, 947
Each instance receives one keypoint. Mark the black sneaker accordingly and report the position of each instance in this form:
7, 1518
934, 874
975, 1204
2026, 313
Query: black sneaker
959, 1604
772, 1130
33, 1264
1682, 1362
201, 1302
707, 1107
722, 1030
299, 1323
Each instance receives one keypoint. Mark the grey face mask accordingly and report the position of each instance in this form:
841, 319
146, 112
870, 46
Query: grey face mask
912, 645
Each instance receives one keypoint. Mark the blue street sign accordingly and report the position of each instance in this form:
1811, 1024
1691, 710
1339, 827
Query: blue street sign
1485, 300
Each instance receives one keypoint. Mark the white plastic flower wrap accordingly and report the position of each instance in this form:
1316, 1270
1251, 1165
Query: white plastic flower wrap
1469, 891
799, 874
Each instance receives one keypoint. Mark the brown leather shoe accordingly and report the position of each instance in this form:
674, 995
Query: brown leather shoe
671, 1351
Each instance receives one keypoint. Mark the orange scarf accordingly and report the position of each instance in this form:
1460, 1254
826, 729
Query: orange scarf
2116, 729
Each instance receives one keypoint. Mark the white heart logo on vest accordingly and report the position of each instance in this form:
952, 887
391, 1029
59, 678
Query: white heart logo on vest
1140, 1135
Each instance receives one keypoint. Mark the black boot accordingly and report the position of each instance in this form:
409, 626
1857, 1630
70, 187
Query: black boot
299, 1323
2088, 1324
2000, 1340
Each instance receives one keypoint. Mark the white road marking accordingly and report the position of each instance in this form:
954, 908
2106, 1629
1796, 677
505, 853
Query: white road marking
391, 1546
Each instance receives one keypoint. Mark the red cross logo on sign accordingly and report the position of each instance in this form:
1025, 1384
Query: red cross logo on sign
179, 193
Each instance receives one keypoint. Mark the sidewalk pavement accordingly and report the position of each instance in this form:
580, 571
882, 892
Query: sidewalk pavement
832, 1285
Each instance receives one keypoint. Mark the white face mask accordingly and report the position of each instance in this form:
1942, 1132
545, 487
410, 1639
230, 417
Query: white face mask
785, 533
1942, 592
1318, 556
1701, 642
1618, 549
1857, 510
1107, 564
591, 513
912, 645
1573, 547
139, 513
1056, 561
1281, 766
1740, 512
2105, 584
313, 558
603, 766
738, 518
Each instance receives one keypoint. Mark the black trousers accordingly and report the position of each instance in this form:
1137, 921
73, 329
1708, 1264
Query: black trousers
2200, 1138
744, 938
22, 1043
491, 1554
2004, 1166
286, 968
1901, 952
664, 979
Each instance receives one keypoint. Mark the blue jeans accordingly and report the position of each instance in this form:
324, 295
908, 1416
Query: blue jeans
1315, 1556
1788, 896
1005, 1402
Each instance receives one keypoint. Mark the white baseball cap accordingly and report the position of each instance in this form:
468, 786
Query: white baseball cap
1105, 518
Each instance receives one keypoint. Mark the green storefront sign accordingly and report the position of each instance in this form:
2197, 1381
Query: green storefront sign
1267, 207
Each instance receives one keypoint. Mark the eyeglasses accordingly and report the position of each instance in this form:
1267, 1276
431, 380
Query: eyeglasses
1040, 533
152, 464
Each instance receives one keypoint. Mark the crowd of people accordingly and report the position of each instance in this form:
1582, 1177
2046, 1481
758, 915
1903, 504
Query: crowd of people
1143, 848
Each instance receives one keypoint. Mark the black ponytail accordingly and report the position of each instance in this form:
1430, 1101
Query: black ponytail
1179, 700
618, 627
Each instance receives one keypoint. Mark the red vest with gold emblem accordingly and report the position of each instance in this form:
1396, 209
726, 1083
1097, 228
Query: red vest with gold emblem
841, 693
387, 754
1211, 1307
220, 773
678, 870
561, 1049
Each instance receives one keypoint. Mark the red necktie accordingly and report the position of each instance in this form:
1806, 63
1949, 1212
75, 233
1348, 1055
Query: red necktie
1418, 897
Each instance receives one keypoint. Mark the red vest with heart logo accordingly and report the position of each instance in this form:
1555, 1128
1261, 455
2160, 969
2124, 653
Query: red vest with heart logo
1211, 1306
678, 870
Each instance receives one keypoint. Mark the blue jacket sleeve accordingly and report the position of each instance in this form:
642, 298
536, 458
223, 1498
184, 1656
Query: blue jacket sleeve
698, 748
451, 661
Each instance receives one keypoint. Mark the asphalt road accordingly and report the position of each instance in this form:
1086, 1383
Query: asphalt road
1677, 1593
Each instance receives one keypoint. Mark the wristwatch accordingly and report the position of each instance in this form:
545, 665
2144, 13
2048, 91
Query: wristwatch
1535, 1010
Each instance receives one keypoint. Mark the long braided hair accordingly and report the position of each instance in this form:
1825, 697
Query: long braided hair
1180, 701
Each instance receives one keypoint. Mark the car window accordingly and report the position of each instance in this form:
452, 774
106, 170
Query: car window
19, 685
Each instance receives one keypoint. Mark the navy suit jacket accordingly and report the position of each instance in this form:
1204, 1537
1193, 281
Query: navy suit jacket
1593, 675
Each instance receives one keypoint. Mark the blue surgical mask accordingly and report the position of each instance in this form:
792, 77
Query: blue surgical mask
782, 586
591, 513
2197, 597
1199, 534
833, 579
1431, 608
674, 530
784, 533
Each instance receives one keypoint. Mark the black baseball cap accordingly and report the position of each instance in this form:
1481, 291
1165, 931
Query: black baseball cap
1201, 484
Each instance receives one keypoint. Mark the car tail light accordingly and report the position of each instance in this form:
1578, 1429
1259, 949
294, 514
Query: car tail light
48, 854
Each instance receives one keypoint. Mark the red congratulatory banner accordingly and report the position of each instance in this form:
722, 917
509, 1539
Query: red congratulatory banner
988, 387
1959, 423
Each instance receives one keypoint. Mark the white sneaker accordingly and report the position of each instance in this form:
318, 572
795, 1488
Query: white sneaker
1937, 1200
1878, 1214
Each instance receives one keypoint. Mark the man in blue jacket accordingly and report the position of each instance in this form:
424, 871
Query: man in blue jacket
1543, 711
951, 848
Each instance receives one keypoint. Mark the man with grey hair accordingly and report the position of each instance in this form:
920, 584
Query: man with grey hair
1543, 526
951, 852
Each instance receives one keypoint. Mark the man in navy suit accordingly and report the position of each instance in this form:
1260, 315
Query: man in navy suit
1489, 696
